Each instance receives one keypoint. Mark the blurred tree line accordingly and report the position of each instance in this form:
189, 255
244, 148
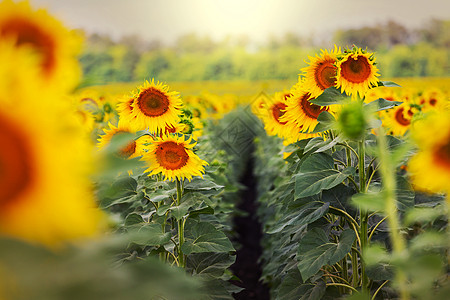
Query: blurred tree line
400, 52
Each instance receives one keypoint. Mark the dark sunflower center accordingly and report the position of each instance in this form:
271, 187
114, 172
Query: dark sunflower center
16, 164
325, 74
278, 112
153, 103
311, 110
433, 102
29, 34
356, 70
171, 156
442, 155
400, 118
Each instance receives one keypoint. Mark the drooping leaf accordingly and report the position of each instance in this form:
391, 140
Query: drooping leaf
381, 104
293, 288
132, 219
326, 122
209, 264
198, 184
146, 234
315, 250
388, 84
330, 96
181, 210
311, 183
122, 187
307, 214
204, 237
314, 143
317, 162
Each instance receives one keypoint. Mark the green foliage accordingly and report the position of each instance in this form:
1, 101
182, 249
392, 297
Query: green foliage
314, 216
86, 272
204, 237
401, 53
315, 250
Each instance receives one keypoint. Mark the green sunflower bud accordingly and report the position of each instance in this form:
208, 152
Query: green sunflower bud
107, 107
352, 121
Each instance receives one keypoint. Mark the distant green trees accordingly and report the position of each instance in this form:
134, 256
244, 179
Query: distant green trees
400, 53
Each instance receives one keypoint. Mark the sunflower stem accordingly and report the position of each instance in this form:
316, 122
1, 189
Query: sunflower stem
363, 216
390, 198
354, 266
181, 256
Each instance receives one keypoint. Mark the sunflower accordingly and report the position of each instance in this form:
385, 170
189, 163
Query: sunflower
398, 119
197, 131
258, 105
153, 107
45, 194
302, 114
172, 156
382, 92
125, 108
132, 149
433, 99
196, 105
44, 37
356, 72
272, 113
430, 167
321, 72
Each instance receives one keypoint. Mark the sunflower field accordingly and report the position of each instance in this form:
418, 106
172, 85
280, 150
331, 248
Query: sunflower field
331, 185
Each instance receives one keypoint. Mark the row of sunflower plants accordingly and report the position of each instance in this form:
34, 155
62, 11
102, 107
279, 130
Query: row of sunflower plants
140, 217
352, 210
55, 242
176, 206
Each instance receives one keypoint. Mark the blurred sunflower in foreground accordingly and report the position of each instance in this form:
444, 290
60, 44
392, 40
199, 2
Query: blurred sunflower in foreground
45, 156
52, 45
430, 167
45, 195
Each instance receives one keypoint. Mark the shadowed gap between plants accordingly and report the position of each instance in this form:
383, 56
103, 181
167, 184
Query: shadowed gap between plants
249, 234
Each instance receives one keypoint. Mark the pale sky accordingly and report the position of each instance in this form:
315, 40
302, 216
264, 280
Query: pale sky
168, 19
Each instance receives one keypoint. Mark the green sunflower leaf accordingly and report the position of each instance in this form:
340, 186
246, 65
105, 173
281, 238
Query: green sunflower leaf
315, 250
381, 104
204, 237
388, 84
330, 96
